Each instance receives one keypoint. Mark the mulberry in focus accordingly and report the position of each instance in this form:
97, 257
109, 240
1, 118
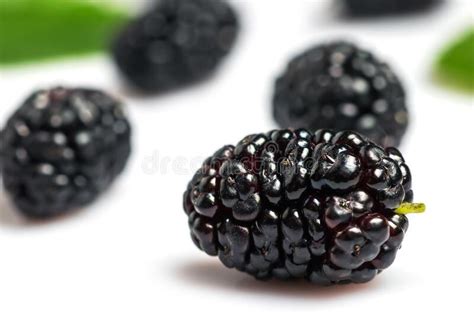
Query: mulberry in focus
293, 204
176, 43
342, 87
62, 148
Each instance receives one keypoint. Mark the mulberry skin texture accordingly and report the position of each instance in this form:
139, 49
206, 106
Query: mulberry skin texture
175, 43
294, 204
62, 148
342, 87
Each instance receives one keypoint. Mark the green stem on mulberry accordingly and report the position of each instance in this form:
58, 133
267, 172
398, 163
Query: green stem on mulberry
408, 208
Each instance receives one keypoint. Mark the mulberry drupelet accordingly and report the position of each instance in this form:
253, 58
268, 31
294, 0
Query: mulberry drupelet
342, 87
177, 42
62, 148
327, 206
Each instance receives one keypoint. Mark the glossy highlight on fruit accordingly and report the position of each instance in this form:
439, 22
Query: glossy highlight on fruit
296, 204
175, 43
340, 86
62, 148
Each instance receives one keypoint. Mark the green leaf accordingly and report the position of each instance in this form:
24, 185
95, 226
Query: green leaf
32, 30
455, 66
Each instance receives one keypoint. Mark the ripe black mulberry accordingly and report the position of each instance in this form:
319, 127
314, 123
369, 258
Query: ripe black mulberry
342, 87
323, 206
62, 148
175, 43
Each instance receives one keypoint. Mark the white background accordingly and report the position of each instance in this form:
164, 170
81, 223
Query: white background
130, 253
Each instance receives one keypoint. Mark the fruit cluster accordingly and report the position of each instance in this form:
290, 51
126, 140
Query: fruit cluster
327, 206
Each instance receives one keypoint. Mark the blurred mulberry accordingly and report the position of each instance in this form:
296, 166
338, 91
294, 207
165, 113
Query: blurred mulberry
342, 87
62, 148
382, 7
175, 43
